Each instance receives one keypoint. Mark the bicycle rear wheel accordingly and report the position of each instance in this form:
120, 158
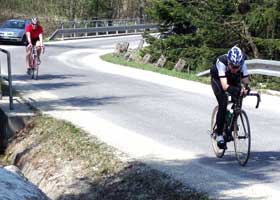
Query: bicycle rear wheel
242, 138
218, 152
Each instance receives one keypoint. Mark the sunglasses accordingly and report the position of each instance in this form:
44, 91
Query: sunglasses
34, 24
234, 66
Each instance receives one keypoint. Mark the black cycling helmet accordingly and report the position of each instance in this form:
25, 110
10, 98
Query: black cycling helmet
35, 20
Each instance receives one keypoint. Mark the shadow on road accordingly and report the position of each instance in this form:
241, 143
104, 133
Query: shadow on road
131, 184
78, 103
24, 77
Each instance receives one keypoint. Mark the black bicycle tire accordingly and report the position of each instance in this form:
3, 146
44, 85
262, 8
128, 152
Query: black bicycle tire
218, 152
37, 72
244, 119
33, 67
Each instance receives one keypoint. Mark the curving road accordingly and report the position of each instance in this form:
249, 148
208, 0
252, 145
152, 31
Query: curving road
160, 120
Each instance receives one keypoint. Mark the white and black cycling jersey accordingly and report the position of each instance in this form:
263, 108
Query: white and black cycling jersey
221, 69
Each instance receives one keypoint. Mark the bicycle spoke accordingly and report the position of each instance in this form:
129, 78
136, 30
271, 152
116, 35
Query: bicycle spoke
243, 125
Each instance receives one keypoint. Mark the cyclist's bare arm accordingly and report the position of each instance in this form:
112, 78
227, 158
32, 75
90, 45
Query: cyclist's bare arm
41, 39
245, 90
41, 44
28, 37
224, 83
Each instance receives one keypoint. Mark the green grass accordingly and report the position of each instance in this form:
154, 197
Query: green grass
149, 67
64, 140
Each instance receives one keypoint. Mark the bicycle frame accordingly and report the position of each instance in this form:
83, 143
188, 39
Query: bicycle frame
237, 107
33, 56
34, 62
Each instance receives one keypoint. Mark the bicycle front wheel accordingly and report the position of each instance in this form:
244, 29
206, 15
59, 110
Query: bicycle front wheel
34, 68
36, 73
218, 152
242, 138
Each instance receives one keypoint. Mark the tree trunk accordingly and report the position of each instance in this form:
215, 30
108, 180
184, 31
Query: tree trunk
248, 37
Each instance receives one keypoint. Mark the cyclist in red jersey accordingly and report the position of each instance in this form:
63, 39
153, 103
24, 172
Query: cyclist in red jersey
34, 36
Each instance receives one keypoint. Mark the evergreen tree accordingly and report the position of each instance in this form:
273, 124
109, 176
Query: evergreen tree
205, 29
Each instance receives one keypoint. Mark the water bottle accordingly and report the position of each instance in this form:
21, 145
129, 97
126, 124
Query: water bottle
228, 117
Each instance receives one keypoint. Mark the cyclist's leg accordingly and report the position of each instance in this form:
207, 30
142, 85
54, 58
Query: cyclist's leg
222, 106
39, 50
28, 56
222, 101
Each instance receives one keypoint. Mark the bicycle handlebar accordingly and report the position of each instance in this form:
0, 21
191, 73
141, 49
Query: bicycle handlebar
250, 94
258, 98
37, 47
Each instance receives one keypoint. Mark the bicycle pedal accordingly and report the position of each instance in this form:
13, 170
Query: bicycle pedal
225, 148
229, 138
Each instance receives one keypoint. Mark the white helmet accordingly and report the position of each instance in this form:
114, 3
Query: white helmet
35, 20
235, 56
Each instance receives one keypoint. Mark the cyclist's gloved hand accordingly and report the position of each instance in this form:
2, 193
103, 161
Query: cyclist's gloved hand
235, 91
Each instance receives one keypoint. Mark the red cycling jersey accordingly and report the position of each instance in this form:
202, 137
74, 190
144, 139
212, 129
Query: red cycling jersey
34, 33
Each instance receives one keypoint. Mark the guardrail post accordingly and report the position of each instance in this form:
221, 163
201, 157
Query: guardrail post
107, 32
9, 78
96, 25
10, 81
86, 25
62, 27
126, 31
74, 26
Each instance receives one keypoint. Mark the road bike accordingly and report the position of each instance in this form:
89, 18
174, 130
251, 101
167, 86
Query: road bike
35, 62
236, 129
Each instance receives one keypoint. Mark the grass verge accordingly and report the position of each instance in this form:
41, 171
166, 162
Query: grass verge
260, 82
96, 170
149, 67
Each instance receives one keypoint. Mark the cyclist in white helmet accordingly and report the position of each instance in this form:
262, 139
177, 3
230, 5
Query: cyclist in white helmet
226, 75
34, 36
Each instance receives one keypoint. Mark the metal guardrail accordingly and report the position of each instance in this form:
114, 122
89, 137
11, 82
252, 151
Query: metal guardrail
257, 66
103, 22
264, 67
9, 78
102, 30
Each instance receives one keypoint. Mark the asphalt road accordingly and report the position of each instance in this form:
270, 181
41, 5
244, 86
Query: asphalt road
147, 111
